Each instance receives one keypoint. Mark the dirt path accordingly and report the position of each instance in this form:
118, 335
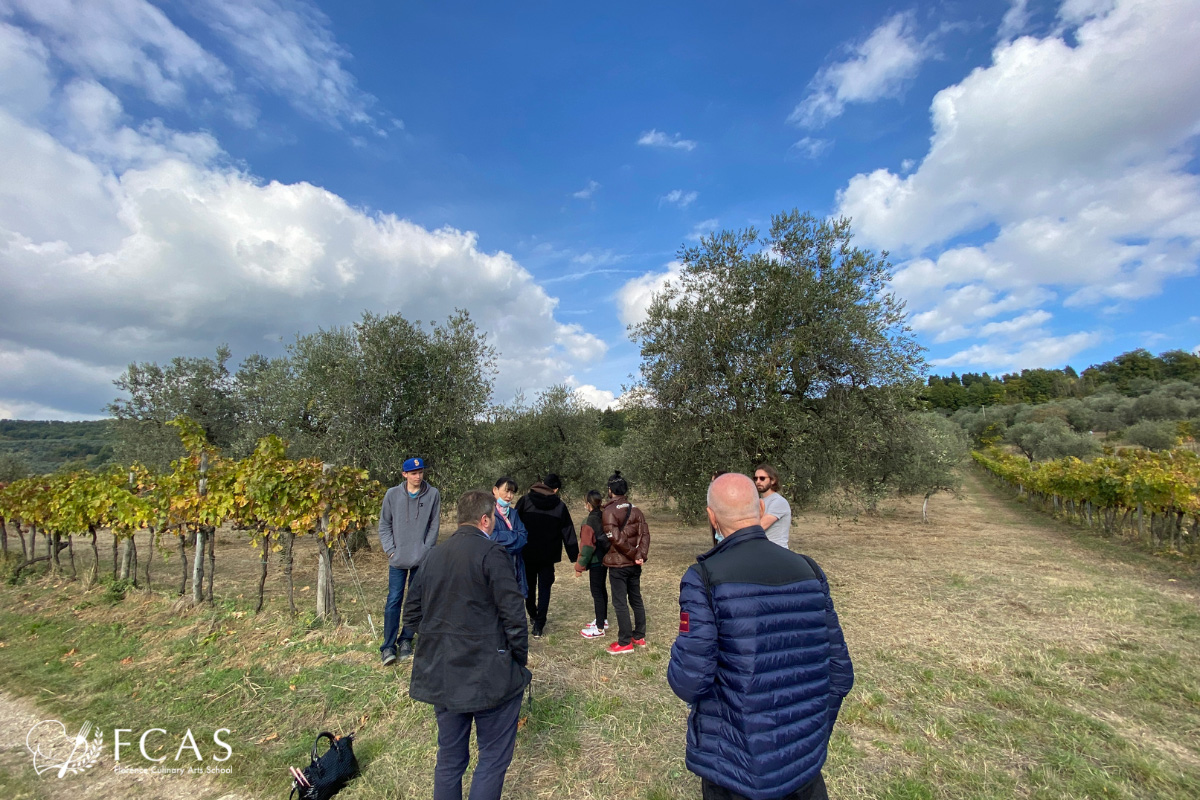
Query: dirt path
983, 571
100, 782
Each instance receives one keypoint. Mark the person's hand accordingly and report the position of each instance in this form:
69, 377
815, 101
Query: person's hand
578, 570
638, 561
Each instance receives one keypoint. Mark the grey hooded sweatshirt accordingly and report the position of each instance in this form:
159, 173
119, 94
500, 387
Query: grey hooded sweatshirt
408, 526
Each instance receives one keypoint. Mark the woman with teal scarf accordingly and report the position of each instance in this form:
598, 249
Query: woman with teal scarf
508, 529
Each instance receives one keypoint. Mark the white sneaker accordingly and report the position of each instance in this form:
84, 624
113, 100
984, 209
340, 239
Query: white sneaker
592, 624
590, 631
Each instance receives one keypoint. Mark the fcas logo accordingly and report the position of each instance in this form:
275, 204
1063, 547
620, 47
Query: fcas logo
54, 750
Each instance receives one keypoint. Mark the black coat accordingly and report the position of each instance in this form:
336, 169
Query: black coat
469, 616
549, 525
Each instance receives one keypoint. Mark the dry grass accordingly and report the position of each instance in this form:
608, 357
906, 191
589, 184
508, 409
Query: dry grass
998, 654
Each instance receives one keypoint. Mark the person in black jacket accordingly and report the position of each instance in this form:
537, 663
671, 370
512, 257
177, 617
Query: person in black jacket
472, 648
550, 527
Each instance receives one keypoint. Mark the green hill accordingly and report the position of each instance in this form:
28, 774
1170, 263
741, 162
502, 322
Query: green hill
39, 447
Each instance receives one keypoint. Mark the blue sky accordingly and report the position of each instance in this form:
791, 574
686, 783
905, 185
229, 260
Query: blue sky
182, 174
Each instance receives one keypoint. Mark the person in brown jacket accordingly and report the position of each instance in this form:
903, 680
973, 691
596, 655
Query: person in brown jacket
629, 544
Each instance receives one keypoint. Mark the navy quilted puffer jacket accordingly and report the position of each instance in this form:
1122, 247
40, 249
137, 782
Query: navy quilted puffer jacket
763, 663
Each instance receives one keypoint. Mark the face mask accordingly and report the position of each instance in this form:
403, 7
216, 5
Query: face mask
500, 501
720, 537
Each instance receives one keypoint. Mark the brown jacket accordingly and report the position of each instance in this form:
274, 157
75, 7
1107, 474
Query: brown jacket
629, 539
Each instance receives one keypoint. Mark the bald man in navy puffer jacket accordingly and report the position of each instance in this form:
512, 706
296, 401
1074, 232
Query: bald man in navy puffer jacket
760, 658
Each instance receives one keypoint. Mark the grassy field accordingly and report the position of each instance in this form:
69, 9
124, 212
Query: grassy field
998, 654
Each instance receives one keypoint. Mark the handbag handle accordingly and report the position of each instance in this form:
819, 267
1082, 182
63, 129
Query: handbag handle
320, 736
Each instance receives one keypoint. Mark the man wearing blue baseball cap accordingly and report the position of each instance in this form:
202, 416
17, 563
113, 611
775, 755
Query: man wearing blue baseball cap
408, 530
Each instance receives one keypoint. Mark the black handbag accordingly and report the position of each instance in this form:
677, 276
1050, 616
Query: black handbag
325, 776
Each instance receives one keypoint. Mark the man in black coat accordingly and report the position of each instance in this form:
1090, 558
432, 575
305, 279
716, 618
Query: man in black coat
472, 647
550, 527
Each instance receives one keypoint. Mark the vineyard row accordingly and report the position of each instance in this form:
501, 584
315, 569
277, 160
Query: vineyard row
1152, 496
273, 498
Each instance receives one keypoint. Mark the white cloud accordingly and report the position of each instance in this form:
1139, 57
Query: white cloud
634, 298
290, 49
1021, 325
127, 41
1049, 352
702, 229
1066, 164
881, 66
143, 244
811, 148
586, 192
594, 397
52, 386
27, 83
285, 49
1076, 12
959, 308
94, 127
678, 197
656, 138
1015, 20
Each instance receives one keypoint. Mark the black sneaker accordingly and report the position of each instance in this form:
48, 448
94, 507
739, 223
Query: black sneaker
537, 631
389, 657
405, 650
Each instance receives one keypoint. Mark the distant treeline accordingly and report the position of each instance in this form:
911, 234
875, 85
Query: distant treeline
1132, 374
1136, 399
35, 447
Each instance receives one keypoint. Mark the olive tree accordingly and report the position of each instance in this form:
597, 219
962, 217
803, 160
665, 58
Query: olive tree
384, 389
557, 433
201, 389
932, 448
1050, 439
1153, 435
788, 348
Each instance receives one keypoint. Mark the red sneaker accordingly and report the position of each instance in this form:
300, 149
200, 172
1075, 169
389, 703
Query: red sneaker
616, 648
640, 642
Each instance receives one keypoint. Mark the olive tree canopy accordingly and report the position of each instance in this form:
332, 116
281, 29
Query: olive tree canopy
789, 349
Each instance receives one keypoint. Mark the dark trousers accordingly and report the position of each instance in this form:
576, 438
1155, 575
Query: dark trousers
627, 592
537, 602
395, 602
598, 583
813, 790
496, 733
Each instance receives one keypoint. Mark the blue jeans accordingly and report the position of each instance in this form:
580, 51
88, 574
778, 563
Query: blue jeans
495, 733
395, 602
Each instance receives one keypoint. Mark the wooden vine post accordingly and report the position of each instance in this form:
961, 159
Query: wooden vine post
326, 601
198, 556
